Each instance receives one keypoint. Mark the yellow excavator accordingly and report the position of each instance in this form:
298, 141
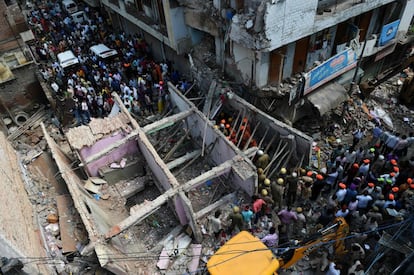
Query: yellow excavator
245, 254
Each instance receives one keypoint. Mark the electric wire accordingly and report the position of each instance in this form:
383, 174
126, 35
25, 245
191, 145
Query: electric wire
144, 256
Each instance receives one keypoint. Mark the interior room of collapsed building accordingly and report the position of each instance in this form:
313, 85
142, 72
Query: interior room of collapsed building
139, 183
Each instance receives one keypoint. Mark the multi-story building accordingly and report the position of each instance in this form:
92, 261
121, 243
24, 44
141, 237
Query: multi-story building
270, 43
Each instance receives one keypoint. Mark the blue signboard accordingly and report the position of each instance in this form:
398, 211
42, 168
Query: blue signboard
388, 32
330, 69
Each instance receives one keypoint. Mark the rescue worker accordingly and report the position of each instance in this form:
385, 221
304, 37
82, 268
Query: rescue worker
236, 220
262, 160
277, 192
292, 188
317, 187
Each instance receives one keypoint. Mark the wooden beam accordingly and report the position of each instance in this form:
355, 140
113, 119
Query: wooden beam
133, 135
177, 162
166, 122
209, 99
213, 173
144, 210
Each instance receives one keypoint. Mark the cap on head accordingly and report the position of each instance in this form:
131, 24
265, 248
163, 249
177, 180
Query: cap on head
381, 157
366, 161
395, 189
309, 173
262, 177
372, 149
409, 180
396, 169
370, 184
259, 171
355, 165
393, 162
319, 177
294, 174
223, 121
392, 174
342, 185
227, 126
391, 197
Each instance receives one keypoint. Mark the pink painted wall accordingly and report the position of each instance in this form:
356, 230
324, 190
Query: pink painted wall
129, 148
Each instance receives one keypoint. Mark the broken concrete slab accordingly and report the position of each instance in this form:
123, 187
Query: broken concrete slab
195, 250
90, 186
66, 222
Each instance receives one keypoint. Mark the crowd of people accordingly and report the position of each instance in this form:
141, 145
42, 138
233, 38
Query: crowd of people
369, 186
133, 73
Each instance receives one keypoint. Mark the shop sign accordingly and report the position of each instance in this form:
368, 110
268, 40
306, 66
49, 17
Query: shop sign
330, 69
388, 32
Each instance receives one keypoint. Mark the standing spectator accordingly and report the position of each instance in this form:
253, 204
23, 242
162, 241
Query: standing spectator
334, 269
258, 208
287, 218
247, 217
357, 134
341, 193
391, 142
401, 146
364, 201
343, 212
271, 239
215, 224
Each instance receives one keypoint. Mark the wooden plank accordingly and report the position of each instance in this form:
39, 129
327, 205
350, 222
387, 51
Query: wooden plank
207, 104
66, 223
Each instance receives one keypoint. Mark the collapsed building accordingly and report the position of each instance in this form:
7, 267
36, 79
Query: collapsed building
139, 182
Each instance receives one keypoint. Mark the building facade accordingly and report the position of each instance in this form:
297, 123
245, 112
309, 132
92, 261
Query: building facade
293, 47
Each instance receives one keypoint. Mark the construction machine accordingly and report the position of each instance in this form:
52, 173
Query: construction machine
245, 254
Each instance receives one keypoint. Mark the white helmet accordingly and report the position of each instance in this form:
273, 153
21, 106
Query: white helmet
260, 152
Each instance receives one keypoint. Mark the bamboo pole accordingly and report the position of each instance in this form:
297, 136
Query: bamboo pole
274, 169
251, 136
275, 156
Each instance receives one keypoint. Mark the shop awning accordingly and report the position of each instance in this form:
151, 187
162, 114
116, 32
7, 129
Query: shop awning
328, 97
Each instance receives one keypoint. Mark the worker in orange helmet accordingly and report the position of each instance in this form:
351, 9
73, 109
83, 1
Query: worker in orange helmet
317, 187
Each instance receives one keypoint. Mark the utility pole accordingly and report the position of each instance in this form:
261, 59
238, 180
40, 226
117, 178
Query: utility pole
360, 57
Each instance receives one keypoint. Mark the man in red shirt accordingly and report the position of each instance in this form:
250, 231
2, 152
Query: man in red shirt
258, 208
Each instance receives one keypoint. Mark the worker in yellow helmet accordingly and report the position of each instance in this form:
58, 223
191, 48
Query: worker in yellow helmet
236, 220
277, 191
